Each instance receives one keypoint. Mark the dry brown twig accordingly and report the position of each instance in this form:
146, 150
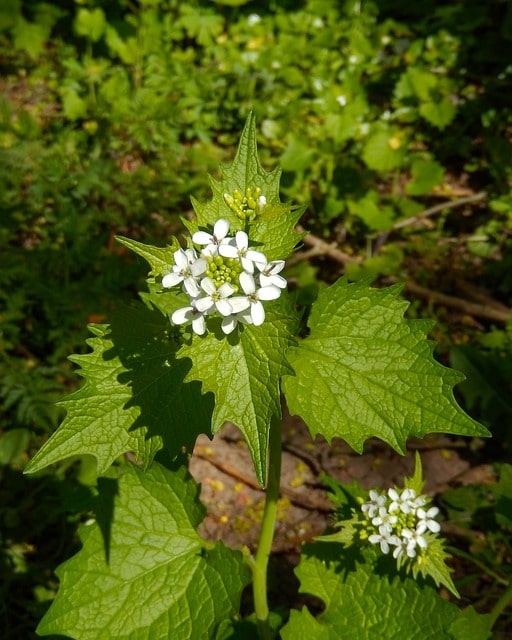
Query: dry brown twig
486, 307
477, 197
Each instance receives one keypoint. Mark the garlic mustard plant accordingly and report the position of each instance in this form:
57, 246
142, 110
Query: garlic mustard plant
218, 337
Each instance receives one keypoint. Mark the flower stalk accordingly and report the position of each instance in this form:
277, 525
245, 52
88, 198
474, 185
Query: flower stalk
260, 566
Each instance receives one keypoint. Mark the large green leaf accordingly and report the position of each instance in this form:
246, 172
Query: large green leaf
151, 577
274, 228
364, 371
243, 371
134, 399
366, 599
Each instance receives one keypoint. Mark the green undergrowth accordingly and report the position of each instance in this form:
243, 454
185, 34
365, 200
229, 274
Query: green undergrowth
110, 115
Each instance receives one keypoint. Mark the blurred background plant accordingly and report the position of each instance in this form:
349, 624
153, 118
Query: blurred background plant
391, 121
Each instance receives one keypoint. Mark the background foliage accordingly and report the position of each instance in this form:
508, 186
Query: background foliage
112, 111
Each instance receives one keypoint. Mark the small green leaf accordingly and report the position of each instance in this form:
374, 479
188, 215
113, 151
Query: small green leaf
426, 174
126, 49
134, 399
416, 481
90, 24
439, 113
384, 150
366, 599
376, 216
366, 372
149, 575
298, 155
416, 82
243, 371
471, 625
30, 37
73, 105
432, 563
203, 25
13, 444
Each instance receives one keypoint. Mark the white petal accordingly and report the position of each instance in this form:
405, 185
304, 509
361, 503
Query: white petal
204, 305
247, 264
228, 251
269, 293
421, 542
226, 289
239, 303
198, 325
242, 240
198, 267
276, 280
191, 255
257, 313
171, 280
208, 285
210, 251
182, 315
245, 316
191, 287
228, 324
255, 256
180, 258
247, 283
201, 237
220, 229
223, 307
275, 267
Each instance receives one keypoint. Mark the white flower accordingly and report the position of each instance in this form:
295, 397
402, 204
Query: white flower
404, 501
372, 506
341, 100
254, 296
229, 323
212, 241
253, 19
187, 314
270, 273
216, 298
426, 520
413, 539
186, 269
384, 518
384, 538
400, 548
240, 249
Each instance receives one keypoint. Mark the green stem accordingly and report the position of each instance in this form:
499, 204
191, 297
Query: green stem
498, 608
259, 569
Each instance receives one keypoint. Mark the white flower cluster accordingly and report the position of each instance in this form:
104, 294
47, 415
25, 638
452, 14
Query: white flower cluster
212, 276
399, 520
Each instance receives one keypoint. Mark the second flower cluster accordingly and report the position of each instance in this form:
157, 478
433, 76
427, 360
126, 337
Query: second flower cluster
226, 278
